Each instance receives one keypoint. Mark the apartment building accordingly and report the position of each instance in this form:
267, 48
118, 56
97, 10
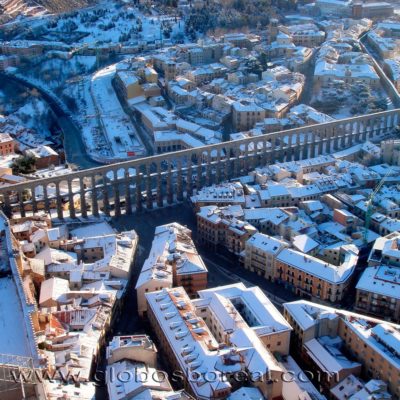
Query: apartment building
128, 84
371, 342
260, 254
334, 8
173, 261
325, 73
307, 35
22, 48
221, 227
242, 40
165, 65
372, 9
206, 74
225, 194
131, 372
167, 141
309, 276
378, 292
376, 346
228, 308
190, 346
139, 348
391, 151
246, 114
386, 250
392, 69
7, 144
386, 47
377, 289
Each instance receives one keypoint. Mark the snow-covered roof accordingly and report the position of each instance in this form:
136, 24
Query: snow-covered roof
41, 152
194, 346
53, 289
227, 192
223, 300
382, 337
266, 243
328, 357
383, 280
56, 256
358, 71
89, 230
145, 378
304, 243
274, 215
374, 388
172, 252
347, 387
128, 78
246, 393
319, 268
307, 314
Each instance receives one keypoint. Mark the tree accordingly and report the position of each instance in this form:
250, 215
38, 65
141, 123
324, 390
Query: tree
263, 60
23, 165
253, 66
380, 104
239, 5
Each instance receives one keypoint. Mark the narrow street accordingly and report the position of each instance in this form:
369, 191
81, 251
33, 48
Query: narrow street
306, 95
223, 268
387, 84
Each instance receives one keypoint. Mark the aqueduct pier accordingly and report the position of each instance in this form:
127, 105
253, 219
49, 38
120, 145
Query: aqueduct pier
166, 178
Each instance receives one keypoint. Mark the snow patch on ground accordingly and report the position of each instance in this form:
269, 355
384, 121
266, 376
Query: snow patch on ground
121, 134
102, 228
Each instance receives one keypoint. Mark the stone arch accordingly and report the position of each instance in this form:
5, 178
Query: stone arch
395, 119
130, 173
104, 191
198, 172
62, 197
27, 197
74, 199
64, 193
50, 197
119, 174
37, 197
95, 192
258, 152
85, 193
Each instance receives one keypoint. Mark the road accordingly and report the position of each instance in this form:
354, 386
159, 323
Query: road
144, 137
223, 268
386, 82
277, 294
73, 143
306, 95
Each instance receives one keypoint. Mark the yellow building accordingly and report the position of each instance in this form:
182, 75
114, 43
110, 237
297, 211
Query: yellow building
128, 84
